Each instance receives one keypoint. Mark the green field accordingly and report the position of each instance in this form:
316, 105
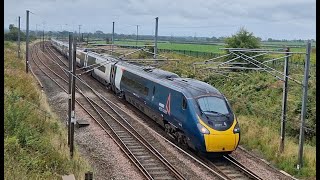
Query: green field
206, 48
174, 46
289, 43
192, 47
202, 47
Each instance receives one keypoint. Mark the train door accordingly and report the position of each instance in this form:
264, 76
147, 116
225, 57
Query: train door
112, 76
108, 72
117, 78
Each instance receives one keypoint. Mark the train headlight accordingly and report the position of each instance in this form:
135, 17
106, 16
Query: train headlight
203, 129
236, 128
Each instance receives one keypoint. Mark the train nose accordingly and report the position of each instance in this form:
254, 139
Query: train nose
221, 142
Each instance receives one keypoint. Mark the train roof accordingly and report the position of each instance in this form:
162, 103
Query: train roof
192, 88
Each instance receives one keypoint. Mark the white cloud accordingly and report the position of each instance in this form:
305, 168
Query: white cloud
277, 19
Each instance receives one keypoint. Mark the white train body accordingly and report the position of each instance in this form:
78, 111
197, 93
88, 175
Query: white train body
87, 60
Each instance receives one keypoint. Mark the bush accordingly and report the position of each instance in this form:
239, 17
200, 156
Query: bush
243, 39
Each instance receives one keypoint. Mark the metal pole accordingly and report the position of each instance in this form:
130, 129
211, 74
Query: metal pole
284, 101
79, 32
73, 118
43, 40
19, 49
27, 43
137, 35
36, 31
156, 39
304, 104
112, 37
70, 85
87, 38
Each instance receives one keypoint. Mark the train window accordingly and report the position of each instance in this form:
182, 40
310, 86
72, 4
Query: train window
154, 90
184, 103
145, 92
102, 68
135, 85
91, 60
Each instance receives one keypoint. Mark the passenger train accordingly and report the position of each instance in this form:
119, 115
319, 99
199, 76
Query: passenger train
192, 111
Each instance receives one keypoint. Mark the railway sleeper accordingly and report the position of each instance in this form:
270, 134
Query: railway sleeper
129, 140
150, 161
132, 143
235, 175
136, 150
124, 136
136, 147
146, 165
223, 167
159, 173
156, 168
122, 133
228, 170
144, 157
240, 178
140, 153
164, 178
115, 128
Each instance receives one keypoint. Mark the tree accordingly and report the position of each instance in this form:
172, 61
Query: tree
98, 32
243, 39
12, 35
221, 39
11, 26
214, 38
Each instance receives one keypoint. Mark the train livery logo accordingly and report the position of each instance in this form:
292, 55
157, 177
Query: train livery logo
168, 104
166, 109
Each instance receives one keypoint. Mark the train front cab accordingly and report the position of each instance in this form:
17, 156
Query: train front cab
221, 141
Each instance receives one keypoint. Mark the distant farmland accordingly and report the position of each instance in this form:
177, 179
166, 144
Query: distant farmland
175, 46
213, 48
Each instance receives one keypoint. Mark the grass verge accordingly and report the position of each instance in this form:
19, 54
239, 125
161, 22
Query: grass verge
264, 140
256, 100
35, 140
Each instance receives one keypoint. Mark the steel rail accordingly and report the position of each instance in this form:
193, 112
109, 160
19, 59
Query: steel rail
247, 171
104, 99
225, 177
151, 149
82, 106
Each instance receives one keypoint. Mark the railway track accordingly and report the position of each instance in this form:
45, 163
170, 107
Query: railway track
230, 168
148, 160
140, 152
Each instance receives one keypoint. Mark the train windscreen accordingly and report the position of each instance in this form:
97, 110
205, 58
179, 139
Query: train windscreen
213, 105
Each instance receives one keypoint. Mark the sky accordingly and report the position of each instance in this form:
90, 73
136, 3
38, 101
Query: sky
280, 19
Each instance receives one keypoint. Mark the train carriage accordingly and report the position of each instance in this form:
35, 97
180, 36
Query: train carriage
193, 112
81, 57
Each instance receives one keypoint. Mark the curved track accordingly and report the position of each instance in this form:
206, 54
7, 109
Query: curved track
148, 160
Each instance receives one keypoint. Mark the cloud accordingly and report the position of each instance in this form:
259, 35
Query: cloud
283, 19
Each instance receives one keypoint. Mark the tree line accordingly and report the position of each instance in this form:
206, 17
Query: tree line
12, 35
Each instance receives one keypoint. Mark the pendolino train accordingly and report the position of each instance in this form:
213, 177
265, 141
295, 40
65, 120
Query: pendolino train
193, 112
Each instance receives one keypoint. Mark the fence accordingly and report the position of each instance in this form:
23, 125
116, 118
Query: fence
192, 53
293, 63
